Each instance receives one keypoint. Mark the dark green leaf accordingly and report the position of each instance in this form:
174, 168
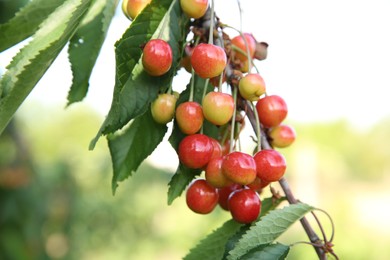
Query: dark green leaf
179, 181
130, 148
134, 88
269, 204
85, 45
26, 22
275, 251
29, 65
213, 246
269, 228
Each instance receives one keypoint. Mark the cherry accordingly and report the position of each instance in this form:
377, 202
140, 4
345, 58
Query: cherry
239, 42
157, 57
272, 110
224, 194
208, 60
270, 165
251, 86
239, 167
163, 108
258, 185
214, 175
195, 151
194, 8
282, 136
218, 107
131, 8
189, 117
201, 197
244, 205
217, 148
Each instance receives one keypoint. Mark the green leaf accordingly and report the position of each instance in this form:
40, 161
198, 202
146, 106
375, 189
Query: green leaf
131, 147
85, 45
134, 88
179, 181
26, 21
29, 65
269, 204
269, 228
213, 246
275, 251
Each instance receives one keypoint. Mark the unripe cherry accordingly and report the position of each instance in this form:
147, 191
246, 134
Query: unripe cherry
282, 136
251, 86
218, 107
189, 117
194, 8
163, 108
131, 8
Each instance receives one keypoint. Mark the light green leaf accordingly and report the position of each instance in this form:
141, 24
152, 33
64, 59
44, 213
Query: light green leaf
85, 45
269, 204
213, 246
270, 227
26, 21
130, 148
275, 251
134, 88
29, 65
179, 181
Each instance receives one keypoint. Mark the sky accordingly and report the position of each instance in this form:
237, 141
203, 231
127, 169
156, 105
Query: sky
329, 60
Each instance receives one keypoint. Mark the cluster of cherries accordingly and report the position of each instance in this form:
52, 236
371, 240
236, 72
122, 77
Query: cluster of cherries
233, 179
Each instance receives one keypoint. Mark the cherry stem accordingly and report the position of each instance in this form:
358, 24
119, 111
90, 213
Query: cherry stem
191, 98
211, 29
258, 127
313, 237
232, 130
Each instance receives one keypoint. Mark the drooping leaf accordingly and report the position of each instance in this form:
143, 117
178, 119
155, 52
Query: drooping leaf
29, 65
130, 148
179, 181
85, 45
26, 21
275, 251
213, 246
270, 227
134, 88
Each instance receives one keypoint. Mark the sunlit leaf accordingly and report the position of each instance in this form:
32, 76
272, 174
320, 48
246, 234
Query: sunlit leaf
270, 227
85, 45
26, 21
213, 246
29, 65
275, 251
130, 148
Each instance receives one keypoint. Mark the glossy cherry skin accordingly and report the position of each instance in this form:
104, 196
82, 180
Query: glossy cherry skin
244, 205
239, 42
251, 86
218, 107
131, 8
217, 148
282, 136
224, 194
201, 197
189, 117
163, 108
194, 8
239, 167
272, 110
208, 60
258, 185
214, 175
270, 165
195, 151
157, 57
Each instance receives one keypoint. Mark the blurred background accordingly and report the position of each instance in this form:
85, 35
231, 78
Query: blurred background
329, 61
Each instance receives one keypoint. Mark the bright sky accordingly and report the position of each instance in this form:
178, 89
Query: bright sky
327, 59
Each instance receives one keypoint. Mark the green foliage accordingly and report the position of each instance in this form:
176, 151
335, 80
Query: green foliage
270, 227
130, 148
275, 251
179, 181
84, 46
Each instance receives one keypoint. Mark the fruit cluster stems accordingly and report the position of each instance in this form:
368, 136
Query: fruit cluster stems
313, 237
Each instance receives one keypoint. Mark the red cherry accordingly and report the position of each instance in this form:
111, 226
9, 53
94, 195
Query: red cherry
157, 57
244, 205
224, 194
282, 136
208, 60
217, 148
195, 151
214, 175
189, 117
270, 165
239, 42
239, 167
258, 185
218, 107
272, 110
201, 197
